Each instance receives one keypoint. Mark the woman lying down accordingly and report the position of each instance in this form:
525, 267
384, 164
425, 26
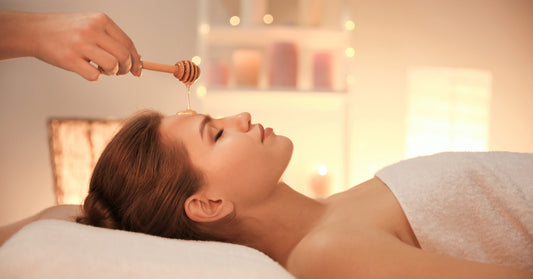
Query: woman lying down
450, 215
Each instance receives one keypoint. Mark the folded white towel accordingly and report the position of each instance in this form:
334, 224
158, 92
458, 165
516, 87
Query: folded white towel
470, 205
61, 249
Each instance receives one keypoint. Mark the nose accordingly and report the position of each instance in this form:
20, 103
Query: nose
242, 121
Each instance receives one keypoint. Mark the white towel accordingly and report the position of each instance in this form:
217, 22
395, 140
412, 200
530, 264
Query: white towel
61, 249
470, 205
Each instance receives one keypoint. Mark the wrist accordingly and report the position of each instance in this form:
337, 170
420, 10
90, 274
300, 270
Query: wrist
19, 34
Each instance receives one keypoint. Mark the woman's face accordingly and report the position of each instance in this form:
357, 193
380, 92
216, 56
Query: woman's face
241, 161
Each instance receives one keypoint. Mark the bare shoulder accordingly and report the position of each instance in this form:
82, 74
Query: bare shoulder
62, 212
67, 212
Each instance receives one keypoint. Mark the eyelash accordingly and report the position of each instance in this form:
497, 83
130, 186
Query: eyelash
219, 134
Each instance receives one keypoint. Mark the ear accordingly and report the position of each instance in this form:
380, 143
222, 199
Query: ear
200, 208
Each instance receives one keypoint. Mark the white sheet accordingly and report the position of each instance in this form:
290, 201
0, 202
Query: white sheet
470, 205
61, 249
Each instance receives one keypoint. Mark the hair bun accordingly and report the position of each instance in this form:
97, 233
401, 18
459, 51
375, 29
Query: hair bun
96, 213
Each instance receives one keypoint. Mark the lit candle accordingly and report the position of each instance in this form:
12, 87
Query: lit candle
283, 64
323, 70
246, 66
218, 73
320, 182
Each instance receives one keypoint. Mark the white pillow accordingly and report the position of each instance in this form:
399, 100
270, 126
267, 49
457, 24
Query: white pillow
62, 249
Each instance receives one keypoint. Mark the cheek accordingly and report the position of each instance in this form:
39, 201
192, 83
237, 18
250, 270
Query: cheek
240, 156
243, 161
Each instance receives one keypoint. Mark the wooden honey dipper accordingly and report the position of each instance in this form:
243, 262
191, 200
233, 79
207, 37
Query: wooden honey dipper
185, 70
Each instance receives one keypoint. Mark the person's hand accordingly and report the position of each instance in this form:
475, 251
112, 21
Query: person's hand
86, 43
71, 41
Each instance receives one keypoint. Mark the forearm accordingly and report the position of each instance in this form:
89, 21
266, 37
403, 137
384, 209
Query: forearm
17, 35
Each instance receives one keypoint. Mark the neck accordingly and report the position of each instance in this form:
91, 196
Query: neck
276, 226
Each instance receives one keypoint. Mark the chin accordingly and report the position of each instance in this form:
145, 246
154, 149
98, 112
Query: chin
288, 147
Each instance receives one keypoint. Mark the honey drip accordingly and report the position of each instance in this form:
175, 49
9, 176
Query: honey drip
188, 110
185, 71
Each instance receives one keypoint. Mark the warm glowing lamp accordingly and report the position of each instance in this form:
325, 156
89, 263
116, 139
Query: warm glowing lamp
75, 146
448, 110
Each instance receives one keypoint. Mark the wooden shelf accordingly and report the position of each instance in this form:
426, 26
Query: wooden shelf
308, 100
263, 36
259, 91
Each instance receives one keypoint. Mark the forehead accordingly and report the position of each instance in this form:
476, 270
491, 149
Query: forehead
180, 126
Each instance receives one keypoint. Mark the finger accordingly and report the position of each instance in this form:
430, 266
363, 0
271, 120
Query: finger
107, 62
118, 34
117, 50
86, 70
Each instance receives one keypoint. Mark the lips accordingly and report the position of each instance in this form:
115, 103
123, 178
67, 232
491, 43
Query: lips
261, 131
268, 131
264, 132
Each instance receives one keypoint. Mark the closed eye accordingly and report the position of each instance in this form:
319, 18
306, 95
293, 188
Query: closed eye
219, 134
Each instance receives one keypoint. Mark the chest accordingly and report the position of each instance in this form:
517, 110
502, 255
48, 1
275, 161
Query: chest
370, 206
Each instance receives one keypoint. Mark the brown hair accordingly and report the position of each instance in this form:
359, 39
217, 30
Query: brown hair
140, 184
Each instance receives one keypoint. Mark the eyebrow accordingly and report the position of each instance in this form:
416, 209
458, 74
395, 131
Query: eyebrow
204, 122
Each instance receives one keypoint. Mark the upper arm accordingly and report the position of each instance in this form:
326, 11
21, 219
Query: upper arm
384, 256
325, 255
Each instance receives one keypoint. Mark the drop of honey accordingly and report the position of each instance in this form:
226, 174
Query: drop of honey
188, 110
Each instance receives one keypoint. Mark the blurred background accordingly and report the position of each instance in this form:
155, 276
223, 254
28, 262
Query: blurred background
356, 84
